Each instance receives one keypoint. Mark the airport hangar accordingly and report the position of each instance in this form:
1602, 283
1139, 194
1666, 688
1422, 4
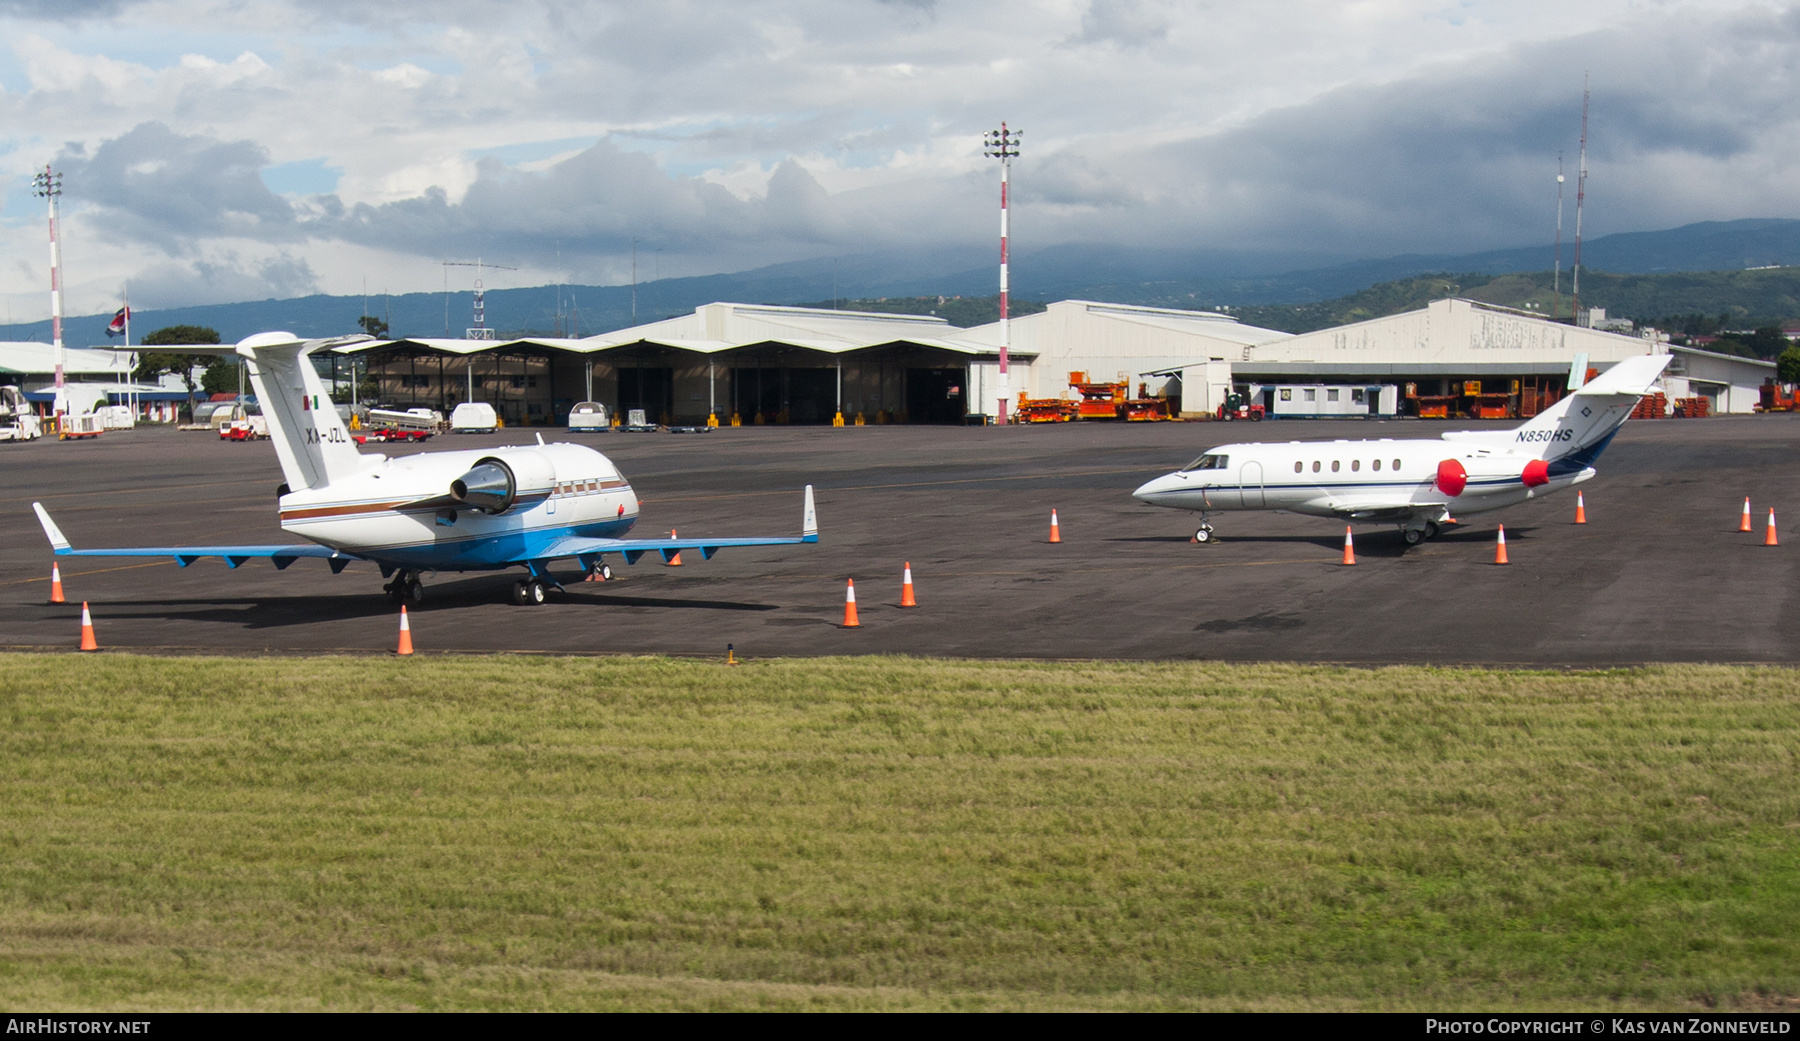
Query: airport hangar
777, 364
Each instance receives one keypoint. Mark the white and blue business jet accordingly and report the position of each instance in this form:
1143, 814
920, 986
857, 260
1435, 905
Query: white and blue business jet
1415, 483
481, 510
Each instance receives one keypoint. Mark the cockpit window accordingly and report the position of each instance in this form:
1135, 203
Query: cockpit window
1209, 461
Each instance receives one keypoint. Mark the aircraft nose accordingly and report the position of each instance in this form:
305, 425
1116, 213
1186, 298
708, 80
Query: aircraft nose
1152, 490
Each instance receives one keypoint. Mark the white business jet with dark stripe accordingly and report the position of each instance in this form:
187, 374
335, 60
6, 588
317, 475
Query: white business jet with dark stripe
483, 510
1414, 483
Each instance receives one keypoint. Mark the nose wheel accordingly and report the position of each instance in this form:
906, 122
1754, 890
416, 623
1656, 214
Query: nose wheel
1205, 535
405, 588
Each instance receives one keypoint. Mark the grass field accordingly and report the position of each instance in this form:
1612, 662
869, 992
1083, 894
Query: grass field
890, 833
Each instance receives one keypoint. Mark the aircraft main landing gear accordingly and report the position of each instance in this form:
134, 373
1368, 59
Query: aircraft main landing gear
530, 591
1414, 536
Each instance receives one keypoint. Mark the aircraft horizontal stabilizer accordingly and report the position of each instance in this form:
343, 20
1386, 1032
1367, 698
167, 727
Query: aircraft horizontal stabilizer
281, 556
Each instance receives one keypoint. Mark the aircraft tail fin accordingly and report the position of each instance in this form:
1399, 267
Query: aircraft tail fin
1578, 427
309, 436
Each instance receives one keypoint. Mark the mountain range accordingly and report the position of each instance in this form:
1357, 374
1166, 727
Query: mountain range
1195, 278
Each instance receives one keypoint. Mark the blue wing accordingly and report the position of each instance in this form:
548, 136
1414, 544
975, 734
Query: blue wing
280, 556
589, 550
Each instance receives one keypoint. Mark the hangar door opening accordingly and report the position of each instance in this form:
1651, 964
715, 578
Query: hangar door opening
935, 395
652, 390
812, 395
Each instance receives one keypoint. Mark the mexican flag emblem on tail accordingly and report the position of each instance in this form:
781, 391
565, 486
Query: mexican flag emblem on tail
309, 402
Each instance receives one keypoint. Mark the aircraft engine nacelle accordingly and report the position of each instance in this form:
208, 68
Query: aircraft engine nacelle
494, 485
1452, 478
1536, 472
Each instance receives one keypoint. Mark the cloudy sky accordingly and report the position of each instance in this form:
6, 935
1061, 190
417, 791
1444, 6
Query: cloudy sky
217, 150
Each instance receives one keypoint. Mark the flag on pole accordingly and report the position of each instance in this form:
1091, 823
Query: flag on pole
117, 326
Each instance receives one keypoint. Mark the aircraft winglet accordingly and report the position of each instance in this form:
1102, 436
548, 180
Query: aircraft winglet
58, 541
809, 520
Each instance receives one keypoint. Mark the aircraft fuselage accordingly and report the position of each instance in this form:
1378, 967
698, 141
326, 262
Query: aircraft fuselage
401, 511
1376, 479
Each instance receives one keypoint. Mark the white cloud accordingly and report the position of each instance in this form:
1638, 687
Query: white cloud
732, 135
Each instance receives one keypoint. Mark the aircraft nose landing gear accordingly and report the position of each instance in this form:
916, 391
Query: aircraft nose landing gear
1205, 535
405, 588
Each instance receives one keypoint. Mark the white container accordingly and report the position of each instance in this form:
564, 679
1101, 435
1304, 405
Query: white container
590, 416
474, 417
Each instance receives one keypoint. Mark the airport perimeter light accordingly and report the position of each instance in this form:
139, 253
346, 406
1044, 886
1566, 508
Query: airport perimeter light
48, 185
1003, 144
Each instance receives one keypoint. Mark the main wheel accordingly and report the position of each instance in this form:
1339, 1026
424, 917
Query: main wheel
1413, 536
536, 591
606, 572
1432, 530
413, 591
519, 596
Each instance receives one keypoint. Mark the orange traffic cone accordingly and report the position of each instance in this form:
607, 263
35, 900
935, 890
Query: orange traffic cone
1349, 547
1500, 547
850, 621
56, 593
405, 633
906, 590
1744, 525
88, 643
674, 561
1769, 539
1580, 509
1055, 532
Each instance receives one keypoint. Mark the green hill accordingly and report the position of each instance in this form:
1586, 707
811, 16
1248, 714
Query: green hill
1685, 304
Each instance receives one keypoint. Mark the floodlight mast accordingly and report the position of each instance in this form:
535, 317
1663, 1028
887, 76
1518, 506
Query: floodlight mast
1581, 172
48, 185
1556, 304
1003, 144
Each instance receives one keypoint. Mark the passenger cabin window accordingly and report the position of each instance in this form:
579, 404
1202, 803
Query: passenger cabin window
1209, 462
1396, 464
1298, 466
1376, 464
1334, 466
1356, 464
1315, 466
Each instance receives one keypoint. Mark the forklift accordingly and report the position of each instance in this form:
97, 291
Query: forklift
1237, 405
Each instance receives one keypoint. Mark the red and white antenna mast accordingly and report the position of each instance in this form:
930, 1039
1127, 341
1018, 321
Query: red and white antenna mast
1580, 197
48, 185
1003, 144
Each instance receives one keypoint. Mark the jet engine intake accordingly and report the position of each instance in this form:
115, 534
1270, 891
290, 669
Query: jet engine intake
1536, 472
489, 487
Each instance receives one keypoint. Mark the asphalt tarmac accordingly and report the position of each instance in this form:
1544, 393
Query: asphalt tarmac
1659, 574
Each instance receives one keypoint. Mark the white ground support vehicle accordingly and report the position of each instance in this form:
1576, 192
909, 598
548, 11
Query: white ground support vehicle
116, 417
18, 421
474, 417
412, 419
590, 416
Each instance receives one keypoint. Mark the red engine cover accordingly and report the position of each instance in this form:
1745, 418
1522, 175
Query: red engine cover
1452, 478
1536, 472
